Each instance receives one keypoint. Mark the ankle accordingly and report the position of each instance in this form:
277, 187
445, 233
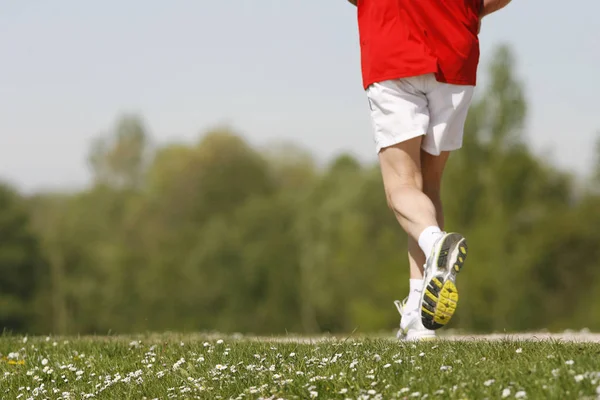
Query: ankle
428, 237
414, 296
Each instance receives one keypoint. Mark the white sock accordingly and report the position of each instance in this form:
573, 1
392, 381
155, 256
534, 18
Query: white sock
414, 296
427, 239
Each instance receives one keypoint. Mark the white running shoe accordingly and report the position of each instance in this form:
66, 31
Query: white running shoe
411, 327
440, 295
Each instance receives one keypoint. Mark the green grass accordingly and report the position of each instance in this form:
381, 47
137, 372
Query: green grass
189, 367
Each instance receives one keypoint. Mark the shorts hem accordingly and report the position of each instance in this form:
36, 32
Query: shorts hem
437, 152
394, 140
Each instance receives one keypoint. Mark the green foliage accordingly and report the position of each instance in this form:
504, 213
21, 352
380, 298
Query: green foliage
219, 235
22, 268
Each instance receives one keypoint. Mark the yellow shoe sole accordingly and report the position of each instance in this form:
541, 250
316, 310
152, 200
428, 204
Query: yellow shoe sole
440, 296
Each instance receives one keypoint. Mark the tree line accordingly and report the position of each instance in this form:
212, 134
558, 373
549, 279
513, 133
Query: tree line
220, 235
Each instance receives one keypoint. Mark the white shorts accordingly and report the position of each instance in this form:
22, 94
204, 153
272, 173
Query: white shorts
403, 109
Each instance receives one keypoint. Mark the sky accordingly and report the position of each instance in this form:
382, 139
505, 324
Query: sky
274, 70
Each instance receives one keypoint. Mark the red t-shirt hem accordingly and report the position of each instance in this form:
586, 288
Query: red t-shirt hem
407, 74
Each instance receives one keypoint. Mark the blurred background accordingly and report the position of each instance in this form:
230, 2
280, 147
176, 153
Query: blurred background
195, 165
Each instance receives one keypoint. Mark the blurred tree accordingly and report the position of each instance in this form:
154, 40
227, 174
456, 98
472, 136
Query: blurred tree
499, 194
193, 195
119, 160
596, 169
47, 212
217, 235
23, 270
292, 168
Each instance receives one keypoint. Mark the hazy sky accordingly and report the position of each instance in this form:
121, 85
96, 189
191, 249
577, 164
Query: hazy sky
274, 69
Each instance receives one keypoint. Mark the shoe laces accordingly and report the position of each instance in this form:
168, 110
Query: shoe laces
400, 305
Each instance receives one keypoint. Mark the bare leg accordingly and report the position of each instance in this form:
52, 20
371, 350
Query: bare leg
432, 168
403, 182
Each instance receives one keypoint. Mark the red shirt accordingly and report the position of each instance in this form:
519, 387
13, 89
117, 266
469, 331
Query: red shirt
403, 38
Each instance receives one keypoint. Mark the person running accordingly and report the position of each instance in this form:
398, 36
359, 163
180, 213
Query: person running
419, 62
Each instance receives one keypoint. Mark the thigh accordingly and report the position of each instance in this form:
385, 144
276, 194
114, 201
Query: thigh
448, 108
401, 165
399, 111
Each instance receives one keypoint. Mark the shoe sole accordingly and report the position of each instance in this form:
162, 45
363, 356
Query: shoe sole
440, 295
419, 338
415, 336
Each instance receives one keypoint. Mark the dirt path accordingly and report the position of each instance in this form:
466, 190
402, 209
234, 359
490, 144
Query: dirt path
581, 337
565, 337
